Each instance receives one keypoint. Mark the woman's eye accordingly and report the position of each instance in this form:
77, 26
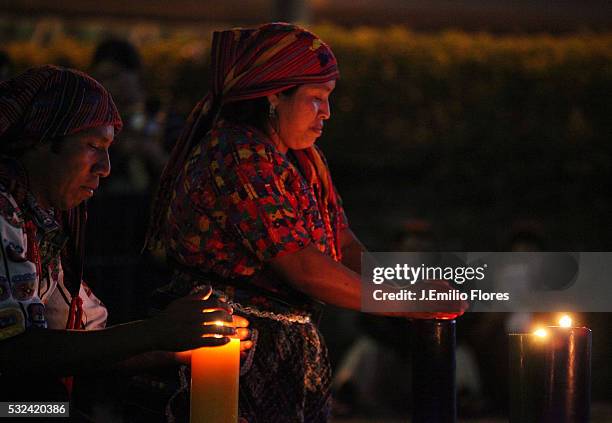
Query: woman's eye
94, 147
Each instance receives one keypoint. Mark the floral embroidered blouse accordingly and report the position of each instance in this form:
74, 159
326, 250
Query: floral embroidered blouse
239, 202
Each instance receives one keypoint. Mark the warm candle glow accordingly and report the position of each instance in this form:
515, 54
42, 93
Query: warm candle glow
542, 333
565, 321
214, 383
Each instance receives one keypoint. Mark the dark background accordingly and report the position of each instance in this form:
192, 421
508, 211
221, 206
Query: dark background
476, 120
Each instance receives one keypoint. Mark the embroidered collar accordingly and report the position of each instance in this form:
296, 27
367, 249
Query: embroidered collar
44, 218
53, 239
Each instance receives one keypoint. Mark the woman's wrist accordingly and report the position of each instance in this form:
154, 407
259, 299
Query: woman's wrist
146, 334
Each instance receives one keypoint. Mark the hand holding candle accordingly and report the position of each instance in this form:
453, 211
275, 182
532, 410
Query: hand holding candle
214, 378
242, 333
186, 323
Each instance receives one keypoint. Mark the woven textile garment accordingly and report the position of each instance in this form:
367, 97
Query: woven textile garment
230, 201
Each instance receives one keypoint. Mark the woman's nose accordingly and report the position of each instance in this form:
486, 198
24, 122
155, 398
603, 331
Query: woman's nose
102, 167
325, 110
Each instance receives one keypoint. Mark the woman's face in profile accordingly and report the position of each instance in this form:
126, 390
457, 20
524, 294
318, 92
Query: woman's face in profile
301, 114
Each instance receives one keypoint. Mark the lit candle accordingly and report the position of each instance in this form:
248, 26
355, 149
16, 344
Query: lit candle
214, 383
550, 374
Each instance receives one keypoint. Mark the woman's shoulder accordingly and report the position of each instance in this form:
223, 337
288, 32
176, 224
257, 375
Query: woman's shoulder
244, 144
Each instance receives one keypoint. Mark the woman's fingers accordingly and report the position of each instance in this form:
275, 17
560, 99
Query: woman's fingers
239, 321
206, 292
433, 315
243, 334
212, 342
218, 330
215, 316
216, 304
245, 345
205, 301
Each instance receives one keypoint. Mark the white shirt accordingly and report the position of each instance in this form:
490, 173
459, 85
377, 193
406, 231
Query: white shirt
26, 298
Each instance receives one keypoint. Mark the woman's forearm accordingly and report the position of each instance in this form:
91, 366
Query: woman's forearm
181, 326
351, 250
320, 277
147, 361
63, 352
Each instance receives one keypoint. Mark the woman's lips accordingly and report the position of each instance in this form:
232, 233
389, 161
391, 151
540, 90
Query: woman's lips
89, 191
317, 129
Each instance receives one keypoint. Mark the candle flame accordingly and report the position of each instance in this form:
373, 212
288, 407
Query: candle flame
542, 333
565, 321
219, 323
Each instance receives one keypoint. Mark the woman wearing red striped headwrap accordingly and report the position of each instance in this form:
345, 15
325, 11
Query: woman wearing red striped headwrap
42, 205
56, 128
247, 204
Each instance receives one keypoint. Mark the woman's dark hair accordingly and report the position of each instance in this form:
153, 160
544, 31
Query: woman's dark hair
253, 112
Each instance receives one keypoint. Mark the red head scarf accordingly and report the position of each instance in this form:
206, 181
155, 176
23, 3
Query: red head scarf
247, 64
48, 102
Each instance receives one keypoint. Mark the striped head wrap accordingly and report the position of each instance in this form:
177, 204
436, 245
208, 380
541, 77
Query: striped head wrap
39, 105
248, 64
47, 102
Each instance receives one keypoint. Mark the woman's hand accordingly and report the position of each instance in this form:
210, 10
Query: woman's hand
242, 333
432, 309
432, 315
438, 309
191, 322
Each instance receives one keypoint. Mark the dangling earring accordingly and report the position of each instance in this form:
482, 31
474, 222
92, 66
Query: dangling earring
273, 118
273, 122
272, 112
